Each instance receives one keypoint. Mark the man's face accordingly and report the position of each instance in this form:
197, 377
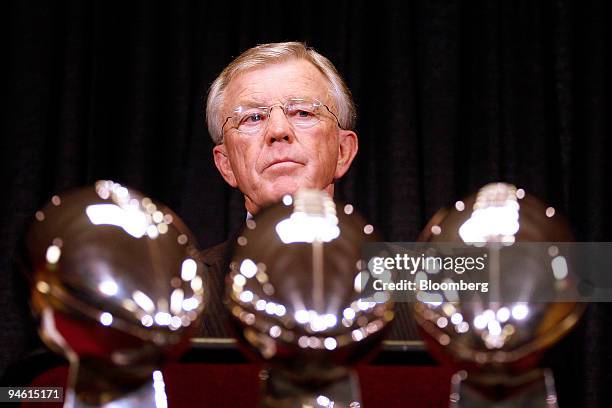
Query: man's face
281, 158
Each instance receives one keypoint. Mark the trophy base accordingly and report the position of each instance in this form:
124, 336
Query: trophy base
150, 394
278, 391
535, 389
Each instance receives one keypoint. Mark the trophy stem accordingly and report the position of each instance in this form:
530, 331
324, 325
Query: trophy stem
279, 390
535, 389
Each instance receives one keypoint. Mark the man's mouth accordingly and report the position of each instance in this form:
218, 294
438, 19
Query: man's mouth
282, 162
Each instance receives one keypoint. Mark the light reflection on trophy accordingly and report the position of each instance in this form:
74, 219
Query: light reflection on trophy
294, 292
118, 289
496, 339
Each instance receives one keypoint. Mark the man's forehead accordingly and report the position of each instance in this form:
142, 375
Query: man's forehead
275, 82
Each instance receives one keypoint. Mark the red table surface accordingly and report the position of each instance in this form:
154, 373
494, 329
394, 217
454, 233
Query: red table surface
237, 385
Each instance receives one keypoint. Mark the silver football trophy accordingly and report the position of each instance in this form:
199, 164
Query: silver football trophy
117, 288
295, 295
496, 339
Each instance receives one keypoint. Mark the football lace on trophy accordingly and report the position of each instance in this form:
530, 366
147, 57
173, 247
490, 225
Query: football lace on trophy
295, 295
497, 336
117, 288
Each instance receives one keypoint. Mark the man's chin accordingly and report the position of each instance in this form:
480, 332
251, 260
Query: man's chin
285, 185
280, 189
275, 192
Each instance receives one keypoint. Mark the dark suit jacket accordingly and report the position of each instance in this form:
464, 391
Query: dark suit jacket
216, 259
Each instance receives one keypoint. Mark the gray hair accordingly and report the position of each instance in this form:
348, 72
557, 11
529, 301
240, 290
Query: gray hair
266, 54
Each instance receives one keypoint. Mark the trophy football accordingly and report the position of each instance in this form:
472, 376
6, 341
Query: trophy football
117, 288
497, 338
296, 298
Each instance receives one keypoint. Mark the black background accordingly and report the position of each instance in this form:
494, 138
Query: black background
450, 95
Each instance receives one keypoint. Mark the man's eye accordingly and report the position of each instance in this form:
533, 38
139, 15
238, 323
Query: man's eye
304, 114
253, 118
300, 113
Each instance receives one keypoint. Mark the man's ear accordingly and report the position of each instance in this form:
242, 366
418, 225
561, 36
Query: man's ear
223, 165
348, 145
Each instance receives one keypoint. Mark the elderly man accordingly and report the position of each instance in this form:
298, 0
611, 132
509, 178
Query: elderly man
281, 118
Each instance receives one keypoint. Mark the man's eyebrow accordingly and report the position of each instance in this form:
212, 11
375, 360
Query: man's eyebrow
251, 102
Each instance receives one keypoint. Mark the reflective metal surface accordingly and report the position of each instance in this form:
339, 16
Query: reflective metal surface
491, 337
117, 287
294, 292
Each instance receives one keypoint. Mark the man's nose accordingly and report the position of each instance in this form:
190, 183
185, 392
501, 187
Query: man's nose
279, 129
